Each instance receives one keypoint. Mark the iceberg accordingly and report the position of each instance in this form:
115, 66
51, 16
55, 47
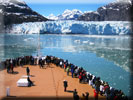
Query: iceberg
74, 27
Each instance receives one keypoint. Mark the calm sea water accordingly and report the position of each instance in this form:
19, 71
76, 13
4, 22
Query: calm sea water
104, 56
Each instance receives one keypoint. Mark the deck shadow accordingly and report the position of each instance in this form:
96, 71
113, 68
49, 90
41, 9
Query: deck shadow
49, 67
14, 72
32, 75
70, 91
83, 83
11, 96
23, 67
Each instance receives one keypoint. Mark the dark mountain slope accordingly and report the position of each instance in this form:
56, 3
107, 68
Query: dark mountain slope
116, 11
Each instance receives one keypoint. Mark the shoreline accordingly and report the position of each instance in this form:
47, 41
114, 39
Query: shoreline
73, 34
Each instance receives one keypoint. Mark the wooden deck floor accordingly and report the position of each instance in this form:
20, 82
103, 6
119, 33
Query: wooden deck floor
48, 83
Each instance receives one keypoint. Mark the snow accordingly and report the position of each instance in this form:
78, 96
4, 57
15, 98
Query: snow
70, 14
110, 8
52, 17
96, 12
104, 7
13, 2
88, 12
14, 13
1, 11
20, 1
31, 15
10, 1
74, 27
123, 1
114, 9
127, 8
66, 15
22, 7
117, 9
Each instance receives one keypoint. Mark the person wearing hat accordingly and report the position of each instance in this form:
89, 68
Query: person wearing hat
65, 85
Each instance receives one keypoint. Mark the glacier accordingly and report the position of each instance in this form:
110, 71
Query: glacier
74, 27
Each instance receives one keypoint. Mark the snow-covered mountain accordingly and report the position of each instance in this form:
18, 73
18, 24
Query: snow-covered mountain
74, 27
123, 1
17, 11
52, 17
5, 2
66, 15
119, 10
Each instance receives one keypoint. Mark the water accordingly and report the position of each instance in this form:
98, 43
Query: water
104, 56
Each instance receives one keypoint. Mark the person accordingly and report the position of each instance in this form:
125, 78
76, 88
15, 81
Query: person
28, 71
48, 61
8, 66
30, 83
106, 89
61, 63
97, 84
102, 89
74, 92
64, 67
67, 70
41, 63
87, 96
84, 77
76, 97
80, 78
65, 85
83, 97
11, 67
95, 95
72, 69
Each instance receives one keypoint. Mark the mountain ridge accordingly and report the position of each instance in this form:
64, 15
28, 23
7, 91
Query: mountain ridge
17, 12
67, 15
118, 10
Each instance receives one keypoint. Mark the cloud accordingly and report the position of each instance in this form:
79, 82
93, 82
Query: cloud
68, 1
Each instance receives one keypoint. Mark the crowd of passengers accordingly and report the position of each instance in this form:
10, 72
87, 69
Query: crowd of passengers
101, 87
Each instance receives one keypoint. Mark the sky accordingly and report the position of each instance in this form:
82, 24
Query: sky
56, 7
67, 1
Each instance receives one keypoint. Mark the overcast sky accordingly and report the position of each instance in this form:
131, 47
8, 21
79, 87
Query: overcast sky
68, 1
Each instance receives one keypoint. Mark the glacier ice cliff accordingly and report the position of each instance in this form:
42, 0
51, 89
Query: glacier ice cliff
74, 27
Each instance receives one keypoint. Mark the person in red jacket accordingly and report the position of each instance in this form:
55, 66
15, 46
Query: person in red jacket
65, 67
80, 78
95, 95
